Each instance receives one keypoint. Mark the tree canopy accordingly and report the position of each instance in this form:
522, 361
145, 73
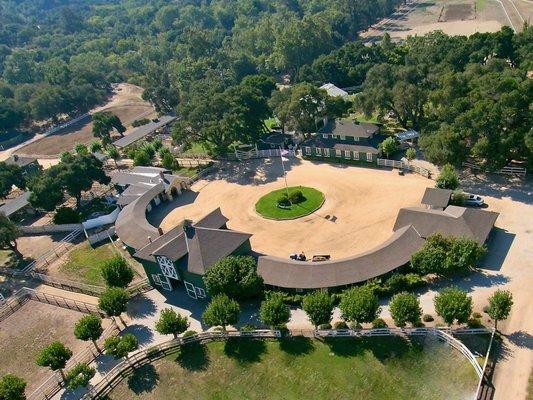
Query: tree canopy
273, 311
500, 304
171, 323
453, 304
221, 311
117, 272
319, 307
405, 307
234, 276
359, 305
12, 388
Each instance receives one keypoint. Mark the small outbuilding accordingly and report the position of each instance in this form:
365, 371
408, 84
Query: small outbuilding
333, 90
436, 199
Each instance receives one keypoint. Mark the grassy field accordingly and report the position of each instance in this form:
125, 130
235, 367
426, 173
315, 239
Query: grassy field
84, 263
302, 368
268, 208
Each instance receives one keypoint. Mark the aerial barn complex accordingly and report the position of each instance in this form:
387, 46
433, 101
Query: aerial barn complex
184, 253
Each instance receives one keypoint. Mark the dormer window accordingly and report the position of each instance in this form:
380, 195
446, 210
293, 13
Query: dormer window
342, 137
325, 135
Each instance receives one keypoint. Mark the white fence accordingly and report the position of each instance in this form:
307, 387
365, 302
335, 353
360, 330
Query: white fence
146, 356
57, 128
51, 255
50, 228
102, 220
254, 153
101, 236
383, 162
509, 170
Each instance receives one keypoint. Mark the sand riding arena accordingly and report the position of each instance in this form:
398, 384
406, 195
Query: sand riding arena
361, 205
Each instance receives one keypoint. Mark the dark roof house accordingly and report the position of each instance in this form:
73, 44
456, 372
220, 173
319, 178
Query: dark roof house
436, 198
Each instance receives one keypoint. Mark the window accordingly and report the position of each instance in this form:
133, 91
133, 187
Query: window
156, 279
308, 151
338, 153
356, 155
326, 152
325, 135
200, 292
356, 138
346, 153
318, 151
191, 292
369, 157
342, 137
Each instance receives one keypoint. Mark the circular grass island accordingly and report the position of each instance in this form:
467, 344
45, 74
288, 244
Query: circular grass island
300, 201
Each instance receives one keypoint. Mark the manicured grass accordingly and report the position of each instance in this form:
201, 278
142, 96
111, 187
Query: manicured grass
185, 171
267, 206
271, 123
301, 368
84, 263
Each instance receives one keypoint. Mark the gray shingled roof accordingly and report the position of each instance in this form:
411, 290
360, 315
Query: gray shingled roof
437, 197
19, 160
453, 221
143, 131
386, 257
349, 128
204, 243
412, 227
11, 206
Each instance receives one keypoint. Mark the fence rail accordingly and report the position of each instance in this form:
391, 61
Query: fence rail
254, 153
54, 383
508, 170
145, 356
383, 162
62, 247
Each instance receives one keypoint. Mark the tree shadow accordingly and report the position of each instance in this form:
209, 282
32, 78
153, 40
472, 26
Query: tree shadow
500, 242
521, 339
383, 348
143, 379
141, 306
245, 351
143, 334
193, 357
297, 346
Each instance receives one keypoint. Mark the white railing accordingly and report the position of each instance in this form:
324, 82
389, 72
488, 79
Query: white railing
509, 170
45, 259
254, 153
383, 162
145, 356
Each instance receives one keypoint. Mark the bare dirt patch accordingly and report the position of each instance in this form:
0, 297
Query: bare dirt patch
27, 331
66, 139
359, 211
453, 17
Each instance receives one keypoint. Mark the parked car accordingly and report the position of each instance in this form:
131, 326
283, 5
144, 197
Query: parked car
474, 200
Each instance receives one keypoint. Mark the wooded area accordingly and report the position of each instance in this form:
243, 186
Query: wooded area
467, 96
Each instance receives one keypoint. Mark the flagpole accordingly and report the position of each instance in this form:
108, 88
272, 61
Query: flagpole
284, 173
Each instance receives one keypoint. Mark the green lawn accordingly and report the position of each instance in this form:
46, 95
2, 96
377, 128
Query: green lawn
84, 263
267, 205
302, 368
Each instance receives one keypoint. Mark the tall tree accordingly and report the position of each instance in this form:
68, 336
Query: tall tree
103, 124
114, 302
453, 304
221, 311
273, 311
90, 328
10, 175
500, 304
359, 305
12, 388
117, 272
405, 307
171, 323
319, 307
9, 233
54, 356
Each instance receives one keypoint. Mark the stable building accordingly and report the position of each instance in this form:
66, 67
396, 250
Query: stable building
184, 254
344, 140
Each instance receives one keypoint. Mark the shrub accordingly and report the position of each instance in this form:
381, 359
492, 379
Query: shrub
458, 198
486, 309
273, 311
318, 307
379, 323
476, 315
283, 201
325, 326
234, 276
189, 333
140, 122
80, 375
141, 159
168, 161
448, 178
296, 197
474, 323
340, 325
427, 318
66, 215
397, 283
248, 328
116, 272
405, 307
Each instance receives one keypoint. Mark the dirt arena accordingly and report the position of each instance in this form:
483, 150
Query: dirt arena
126, 103
453, 17
363, 202
27, 331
